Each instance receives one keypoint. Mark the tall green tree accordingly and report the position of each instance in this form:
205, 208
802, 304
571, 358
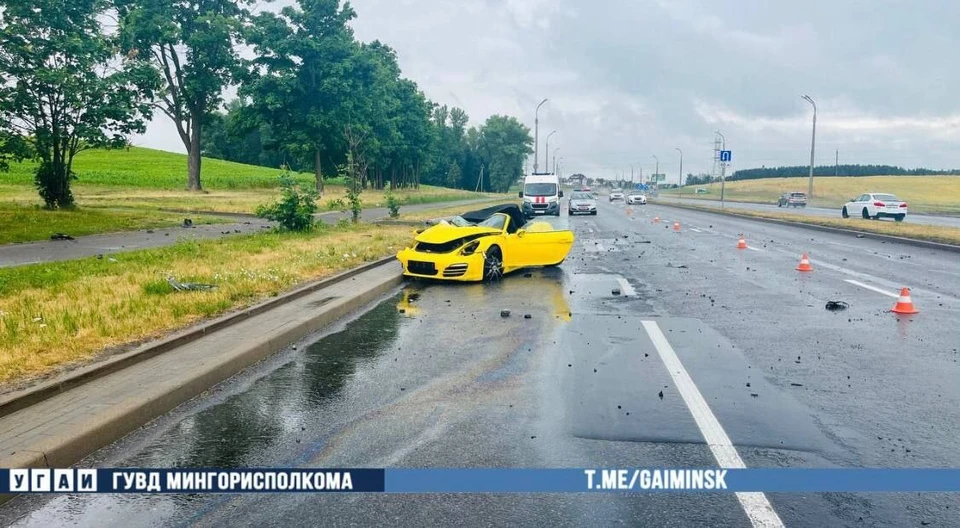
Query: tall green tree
504, 144
193, 45
306, 77
65, 90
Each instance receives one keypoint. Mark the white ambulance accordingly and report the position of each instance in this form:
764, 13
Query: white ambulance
541, 195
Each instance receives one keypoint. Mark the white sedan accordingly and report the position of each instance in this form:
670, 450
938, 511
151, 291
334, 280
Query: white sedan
616, 195
636, 198
875, 205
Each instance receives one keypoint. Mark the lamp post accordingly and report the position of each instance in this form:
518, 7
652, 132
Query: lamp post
681, 172
555, 159
723, 168
536, 136
546, 150
656, 176
813, 143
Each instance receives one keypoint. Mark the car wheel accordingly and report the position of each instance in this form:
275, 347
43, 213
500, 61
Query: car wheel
899, 217
493, 264
865, 214
844, 213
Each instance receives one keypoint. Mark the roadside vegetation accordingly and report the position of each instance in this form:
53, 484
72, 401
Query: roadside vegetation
945, 235
55, 315
930, 194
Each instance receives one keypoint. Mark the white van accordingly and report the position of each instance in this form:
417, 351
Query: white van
541, 195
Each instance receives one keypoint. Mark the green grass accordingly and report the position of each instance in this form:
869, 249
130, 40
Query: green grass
132, 188
63, 313
930, 194
23, 223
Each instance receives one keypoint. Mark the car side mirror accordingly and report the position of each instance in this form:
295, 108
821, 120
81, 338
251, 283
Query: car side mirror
520, 194
561, 194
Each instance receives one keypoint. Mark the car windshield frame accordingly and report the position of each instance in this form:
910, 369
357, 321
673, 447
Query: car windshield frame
495, 221
540, 189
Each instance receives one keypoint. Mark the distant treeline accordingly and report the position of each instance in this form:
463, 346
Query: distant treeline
831, 170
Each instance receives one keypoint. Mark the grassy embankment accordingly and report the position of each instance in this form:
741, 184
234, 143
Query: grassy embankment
138, 188
924, 194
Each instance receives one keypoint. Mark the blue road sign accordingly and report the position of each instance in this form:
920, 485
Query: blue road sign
726, 155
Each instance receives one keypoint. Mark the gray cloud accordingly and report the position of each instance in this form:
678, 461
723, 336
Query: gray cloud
629, 79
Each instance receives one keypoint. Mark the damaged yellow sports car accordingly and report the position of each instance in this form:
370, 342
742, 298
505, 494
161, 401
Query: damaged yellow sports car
484, 245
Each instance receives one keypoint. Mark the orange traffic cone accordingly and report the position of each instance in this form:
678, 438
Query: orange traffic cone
629, 211
742, 243
656, 219
804, 263
676, 226
905, 304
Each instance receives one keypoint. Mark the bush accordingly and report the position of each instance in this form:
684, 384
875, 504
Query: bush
294, 211
393, 204
337, 205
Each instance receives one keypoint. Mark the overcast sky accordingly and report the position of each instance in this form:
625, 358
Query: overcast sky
630, 79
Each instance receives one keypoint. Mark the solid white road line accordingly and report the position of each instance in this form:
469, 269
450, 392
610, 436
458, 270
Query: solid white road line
695, 230
873, 288
754, 249
755, 504
626, 288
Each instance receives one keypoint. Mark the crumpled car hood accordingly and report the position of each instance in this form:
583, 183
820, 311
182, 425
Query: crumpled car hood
442, 233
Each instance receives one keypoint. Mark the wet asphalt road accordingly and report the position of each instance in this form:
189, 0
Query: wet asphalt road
450, 383
828, 212
112, 243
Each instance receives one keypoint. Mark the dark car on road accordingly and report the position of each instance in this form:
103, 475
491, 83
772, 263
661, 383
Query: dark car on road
792, 199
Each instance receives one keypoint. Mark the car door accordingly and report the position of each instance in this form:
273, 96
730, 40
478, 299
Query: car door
538, 244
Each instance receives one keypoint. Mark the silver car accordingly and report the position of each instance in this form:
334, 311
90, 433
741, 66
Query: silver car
636, 198
582, 203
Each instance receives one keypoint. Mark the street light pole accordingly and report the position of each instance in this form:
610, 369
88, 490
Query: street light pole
555, 159
813, 143
681, 172
546, 150
536, 136
723, 168
656, 176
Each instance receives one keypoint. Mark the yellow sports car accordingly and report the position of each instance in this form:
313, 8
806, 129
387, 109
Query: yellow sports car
484, 245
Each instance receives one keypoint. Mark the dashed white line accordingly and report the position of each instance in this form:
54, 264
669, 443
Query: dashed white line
626, 288
755, 504
872, 288
753, 248
695, 230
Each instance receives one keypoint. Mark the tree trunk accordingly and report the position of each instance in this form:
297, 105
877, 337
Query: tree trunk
193, 156
393, 178
317, 173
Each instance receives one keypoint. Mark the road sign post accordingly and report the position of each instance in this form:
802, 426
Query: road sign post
725, 157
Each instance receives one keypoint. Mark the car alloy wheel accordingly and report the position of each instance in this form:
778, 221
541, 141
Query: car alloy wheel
493, 264
844, 213
865, 214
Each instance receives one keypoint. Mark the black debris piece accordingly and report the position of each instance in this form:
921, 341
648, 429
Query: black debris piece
527, 316
796, 385
150, 231
835, 306
187, 222
754, 394
748, 384
660, 394
615, 291
403, 310
60, 236
99, 256
504, 313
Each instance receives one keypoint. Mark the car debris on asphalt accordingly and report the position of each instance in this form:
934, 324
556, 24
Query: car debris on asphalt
188, 286
61, 236
835, 306
504, 313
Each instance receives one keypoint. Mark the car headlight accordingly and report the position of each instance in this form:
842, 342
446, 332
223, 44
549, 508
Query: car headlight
470, 248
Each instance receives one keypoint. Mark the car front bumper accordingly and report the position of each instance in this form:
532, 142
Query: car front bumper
441, 266
553, 208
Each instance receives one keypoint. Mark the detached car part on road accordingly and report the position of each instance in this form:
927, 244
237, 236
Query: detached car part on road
582, 203
875, 206
484, 245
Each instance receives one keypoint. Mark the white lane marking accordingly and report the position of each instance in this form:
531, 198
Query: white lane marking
755, 504
695, 230
626, 288
754, 249
872, 288
590, 230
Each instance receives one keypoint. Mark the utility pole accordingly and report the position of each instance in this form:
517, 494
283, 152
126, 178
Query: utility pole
480, 180
555, 159
723, 167
656, 176
813, 143
836, 166
681, 172
536, 136
546, 151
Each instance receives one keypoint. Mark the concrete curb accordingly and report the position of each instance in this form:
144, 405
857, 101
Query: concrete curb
112, 424
927, 244
16, 400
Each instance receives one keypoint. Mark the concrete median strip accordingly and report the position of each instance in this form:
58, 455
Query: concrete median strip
62, 421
